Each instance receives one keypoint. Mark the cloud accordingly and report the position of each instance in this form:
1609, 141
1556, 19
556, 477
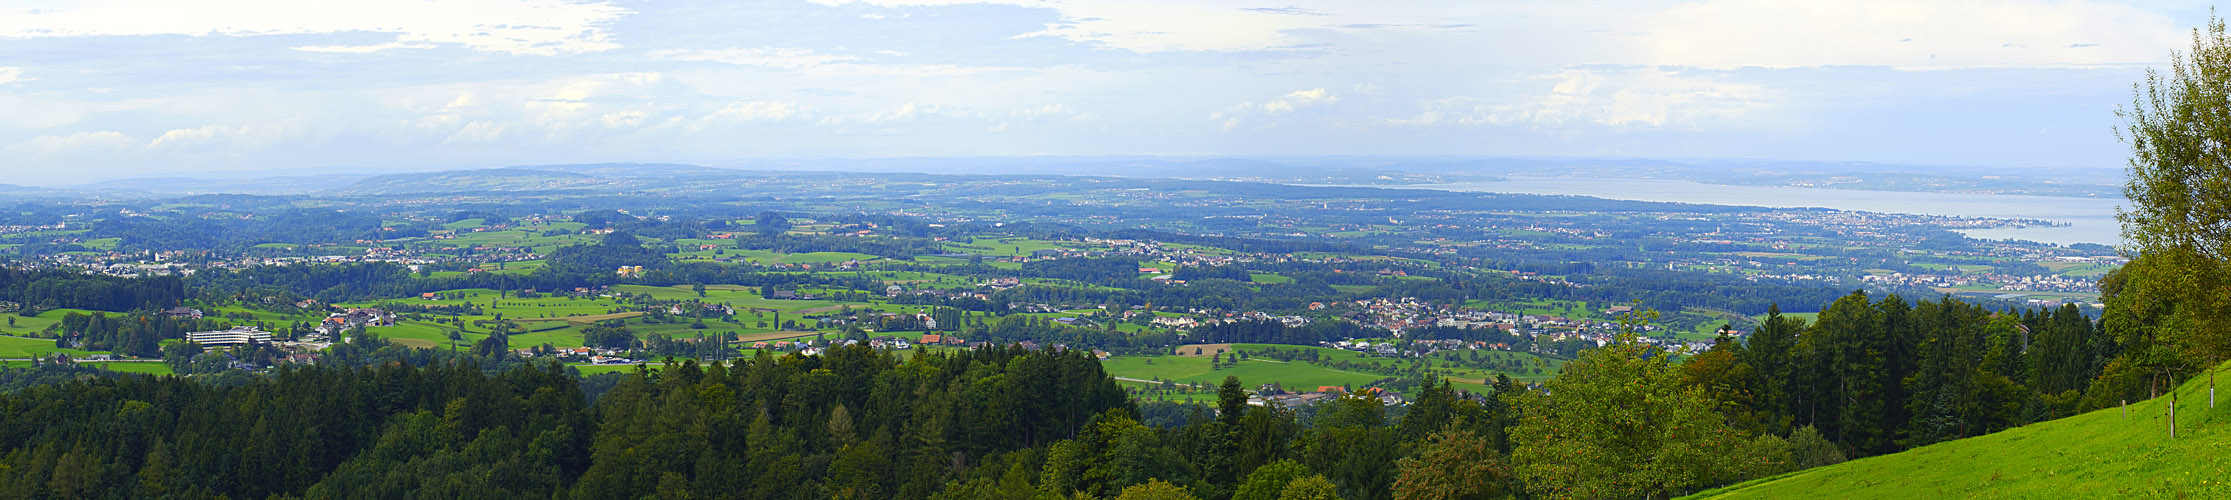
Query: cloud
904, 112
1918, 34
1294, 101
780, 57
477, 132
1607, 97
1049, 112
542, 27
363, 49
1289, 10
185, 85
746, 112
1783, 34
177, 137
81, 143
624, 119
1299, 99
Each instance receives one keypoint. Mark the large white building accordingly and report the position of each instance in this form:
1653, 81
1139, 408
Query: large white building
235, 336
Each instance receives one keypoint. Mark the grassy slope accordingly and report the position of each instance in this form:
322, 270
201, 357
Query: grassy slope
20, 348
2100, 454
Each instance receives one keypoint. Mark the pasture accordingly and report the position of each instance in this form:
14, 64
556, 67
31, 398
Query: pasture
2109, 453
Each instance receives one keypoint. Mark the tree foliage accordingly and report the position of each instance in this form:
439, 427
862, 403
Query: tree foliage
2178, 225
1619, 423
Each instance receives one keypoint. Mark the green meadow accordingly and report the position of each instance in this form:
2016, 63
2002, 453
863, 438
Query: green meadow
23, 348
2110, 453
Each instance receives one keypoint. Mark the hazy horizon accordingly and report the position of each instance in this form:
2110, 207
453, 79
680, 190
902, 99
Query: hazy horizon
942, 165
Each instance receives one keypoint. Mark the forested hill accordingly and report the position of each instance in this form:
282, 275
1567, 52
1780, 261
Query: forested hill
854, 423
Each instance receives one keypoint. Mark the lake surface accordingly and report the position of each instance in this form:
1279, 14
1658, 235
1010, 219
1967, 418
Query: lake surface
2091, 220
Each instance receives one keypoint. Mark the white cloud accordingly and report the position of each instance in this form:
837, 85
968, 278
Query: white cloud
510, 26
1615, 97
902, 113
177, 137
746, 112
1133, 76
232, 139
1282, 105
477, 132
577, 94
1050, 112
1041, 114
363, 49
1903, 33
1703, 33
1299, 99
624, 119
49, 146
779, 57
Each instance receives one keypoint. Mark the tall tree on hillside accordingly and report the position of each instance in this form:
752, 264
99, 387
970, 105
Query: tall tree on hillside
1770, 350
1722, 375
1944, 384
1353, 446
2178, 225
1836, 367
2141, 321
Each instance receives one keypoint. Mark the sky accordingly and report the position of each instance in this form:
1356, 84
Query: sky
99, 89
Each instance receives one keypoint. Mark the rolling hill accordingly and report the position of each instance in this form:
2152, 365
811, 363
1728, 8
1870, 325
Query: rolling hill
2102, 454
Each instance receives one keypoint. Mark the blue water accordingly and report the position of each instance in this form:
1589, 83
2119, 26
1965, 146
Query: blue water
2091, 220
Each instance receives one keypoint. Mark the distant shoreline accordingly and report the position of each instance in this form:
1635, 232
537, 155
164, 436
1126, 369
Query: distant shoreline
2081, 220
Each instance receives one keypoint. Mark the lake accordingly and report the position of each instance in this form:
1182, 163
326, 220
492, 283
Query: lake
2091, 220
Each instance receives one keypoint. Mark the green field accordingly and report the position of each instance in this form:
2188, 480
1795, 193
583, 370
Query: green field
135, 367
2102, 454
1304, 376
148, 368
2078, 269
589, 369
1251, 372
1568, 309
22, 348
28, 324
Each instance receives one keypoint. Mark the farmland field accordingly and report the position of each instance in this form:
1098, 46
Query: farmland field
20, 348
1251, 372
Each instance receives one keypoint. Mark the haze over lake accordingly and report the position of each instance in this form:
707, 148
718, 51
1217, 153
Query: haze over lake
2091, 220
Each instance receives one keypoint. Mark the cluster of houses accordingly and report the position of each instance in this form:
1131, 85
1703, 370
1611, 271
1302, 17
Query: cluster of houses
2004, 282
692, 308
591, 355
1274, 395
1215, 318
351, 318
